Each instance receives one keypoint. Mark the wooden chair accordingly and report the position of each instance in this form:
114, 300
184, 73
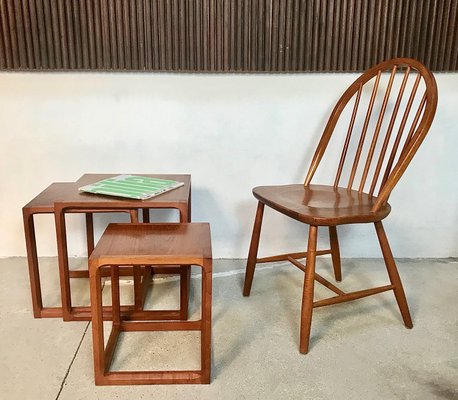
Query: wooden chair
386, 135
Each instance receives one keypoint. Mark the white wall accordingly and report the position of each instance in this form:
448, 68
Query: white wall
231, 132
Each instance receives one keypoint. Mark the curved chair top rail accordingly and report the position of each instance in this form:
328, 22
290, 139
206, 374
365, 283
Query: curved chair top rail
407, 121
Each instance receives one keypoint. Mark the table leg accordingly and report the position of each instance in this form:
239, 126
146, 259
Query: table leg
32, 258
89, 233
206, 321
62, 256
185, 273
137, 272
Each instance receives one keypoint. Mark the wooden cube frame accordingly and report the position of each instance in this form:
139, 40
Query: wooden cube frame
103, 356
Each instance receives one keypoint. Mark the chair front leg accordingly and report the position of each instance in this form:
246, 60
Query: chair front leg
394, 275
253, 252
307, 296
335, 253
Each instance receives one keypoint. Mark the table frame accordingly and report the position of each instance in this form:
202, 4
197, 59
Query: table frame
141, 275
103, 355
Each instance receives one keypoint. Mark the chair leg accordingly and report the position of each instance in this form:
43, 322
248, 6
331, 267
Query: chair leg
307, 296
253, 253
335, 253
394, 275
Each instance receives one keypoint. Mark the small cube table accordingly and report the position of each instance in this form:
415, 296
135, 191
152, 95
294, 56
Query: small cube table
67, 194
149, 244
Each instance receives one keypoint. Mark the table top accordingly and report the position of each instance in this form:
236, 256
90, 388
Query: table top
67, 192
161, 243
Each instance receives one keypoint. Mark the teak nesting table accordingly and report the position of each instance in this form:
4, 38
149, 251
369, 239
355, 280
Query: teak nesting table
135, 249
149, 244
62, 198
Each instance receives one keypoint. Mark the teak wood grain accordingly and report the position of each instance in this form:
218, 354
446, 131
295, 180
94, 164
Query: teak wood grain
382, 135
147, 244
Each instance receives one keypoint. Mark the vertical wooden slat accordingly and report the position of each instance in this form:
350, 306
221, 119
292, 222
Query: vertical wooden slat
190, 36
74, 8
329, 38
246, 37
168, 35
155, 35
339, 34
253, 34
267, 29
126, 34
306, 26
450, 46
64, 30
12, 29
161, 21
454, 60
91, 33
133, 34
363, 44
218, 29
86, 59
54, 21
205, 33
232, 51
148, 34
355, 34
3, 64
437, 37
3, 55
260, 33
294, 35
112, 34
314, 55
120, 34
321, 38
198, 52
105, 34
288, 34
174, 32
347, 32
34, 33
140, 35
47, 23
27, 35
68, 15
41, 34
20, 36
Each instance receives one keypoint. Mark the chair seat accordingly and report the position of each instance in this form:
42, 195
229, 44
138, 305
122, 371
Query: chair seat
321, 205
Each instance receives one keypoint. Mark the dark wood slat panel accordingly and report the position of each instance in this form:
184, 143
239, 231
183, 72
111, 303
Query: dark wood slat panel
225, 35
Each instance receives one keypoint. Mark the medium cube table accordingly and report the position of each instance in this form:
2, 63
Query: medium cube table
67, 194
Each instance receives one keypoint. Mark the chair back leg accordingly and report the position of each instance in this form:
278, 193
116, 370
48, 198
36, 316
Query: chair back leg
253, 252
335, 253
307, 296
394, 275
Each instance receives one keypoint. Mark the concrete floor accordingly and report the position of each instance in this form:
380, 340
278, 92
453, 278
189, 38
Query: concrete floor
358, 350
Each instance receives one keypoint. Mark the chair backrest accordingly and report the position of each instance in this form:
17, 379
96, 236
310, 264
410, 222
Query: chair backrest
396, 127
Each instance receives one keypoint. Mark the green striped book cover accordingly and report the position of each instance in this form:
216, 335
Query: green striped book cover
132, 186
